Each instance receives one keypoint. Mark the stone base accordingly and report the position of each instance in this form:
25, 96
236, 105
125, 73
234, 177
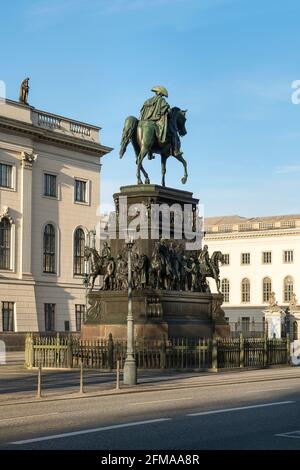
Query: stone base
157, 314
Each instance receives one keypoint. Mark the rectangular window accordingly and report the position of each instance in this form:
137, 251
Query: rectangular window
226, 259
5, 175
79, 315
80, 191
245, 324
67, 325
50, 189
245, 258
267, 257
49, 317
8, 309
288, 256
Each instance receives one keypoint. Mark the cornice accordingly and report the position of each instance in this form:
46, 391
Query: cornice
46, 135
243, 235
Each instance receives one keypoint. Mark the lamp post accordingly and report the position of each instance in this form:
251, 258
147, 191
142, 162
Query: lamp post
91, 243
130, 371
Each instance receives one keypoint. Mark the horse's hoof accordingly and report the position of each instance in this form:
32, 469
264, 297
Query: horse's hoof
147, 181
140, 182
183, 180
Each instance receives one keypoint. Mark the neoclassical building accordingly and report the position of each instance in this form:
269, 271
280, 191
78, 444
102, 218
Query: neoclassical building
262, 255
49, 196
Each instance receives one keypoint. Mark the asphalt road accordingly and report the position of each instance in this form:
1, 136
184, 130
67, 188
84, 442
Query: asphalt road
244, 410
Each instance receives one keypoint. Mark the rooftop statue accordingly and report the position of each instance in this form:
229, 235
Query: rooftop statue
24, 91
156, 132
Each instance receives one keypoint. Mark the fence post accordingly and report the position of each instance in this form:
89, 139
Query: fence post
57, 350
29, 351
214, 354
288, 348
265, 364
242, 351
118, 376
69, 352
163, 354
81, 387
39, 384
110, 352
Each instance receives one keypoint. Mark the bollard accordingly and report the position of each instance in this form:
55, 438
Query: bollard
39, 384
118, 376
81, 390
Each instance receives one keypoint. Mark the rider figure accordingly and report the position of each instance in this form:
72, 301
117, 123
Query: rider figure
106, 253
204, 261
157, 109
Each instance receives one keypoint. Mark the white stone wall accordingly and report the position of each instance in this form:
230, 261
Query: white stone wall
26, 285
256, 271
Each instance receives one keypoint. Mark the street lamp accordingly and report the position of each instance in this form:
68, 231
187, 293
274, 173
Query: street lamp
91, 243
130, 371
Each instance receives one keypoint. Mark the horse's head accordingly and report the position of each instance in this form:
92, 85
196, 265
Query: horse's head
218, 257
180, 117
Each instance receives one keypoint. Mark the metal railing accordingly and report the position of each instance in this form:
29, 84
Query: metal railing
176, 353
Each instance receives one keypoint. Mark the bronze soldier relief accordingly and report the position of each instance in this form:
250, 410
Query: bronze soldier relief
156, 132
169, 268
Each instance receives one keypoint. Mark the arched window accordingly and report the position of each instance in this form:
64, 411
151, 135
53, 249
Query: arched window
49, 249
245, 290
5, 243
79, 243
225, 288
288, 288
267, 289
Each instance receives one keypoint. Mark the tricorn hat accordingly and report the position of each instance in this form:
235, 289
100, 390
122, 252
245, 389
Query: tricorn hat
160, 89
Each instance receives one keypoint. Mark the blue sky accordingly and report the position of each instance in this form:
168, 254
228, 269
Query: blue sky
231, 63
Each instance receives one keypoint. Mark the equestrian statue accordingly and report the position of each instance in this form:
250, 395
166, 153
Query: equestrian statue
158, 131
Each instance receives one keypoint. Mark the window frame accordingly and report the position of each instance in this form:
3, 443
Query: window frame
54, 254
264, 298
53, 319
77, 274
287, 298
248, 254
226, 294
11, 311
267, 253
87, 190
245, 294
50, 173
284, 256
79, 316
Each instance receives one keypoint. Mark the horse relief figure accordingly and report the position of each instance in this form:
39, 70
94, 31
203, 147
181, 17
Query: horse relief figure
156, 132
209, 267
103, 265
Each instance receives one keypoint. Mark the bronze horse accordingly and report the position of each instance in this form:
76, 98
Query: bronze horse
214, 271
99, 267
143, 136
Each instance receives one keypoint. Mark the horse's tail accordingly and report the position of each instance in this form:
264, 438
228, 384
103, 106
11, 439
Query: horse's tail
129, 128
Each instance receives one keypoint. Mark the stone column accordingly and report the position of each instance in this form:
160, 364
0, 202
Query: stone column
26, 210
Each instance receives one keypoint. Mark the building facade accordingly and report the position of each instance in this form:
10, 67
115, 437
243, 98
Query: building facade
49, 196
262, 255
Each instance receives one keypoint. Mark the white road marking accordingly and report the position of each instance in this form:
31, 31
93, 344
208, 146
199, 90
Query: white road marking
159, 401
28, 416
267, 390
90, 431
240, 408
290, 435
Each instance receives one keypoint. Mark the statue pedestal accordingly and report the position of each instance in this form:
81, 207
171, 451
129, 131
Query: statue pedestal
157, 312
274, 318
